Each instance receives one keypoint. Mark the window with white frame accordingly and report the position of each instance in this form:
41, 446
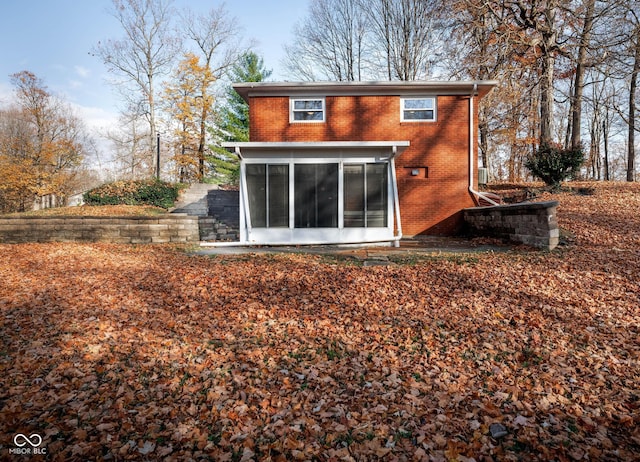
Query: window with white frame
268, 193
365, 195
418, 109
307, 110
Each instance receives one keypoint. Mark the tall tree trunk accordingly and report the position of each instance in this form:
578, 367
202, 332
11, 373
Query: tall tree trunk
549, 48
483, 128
153, 133
578, 87
546, 99
605, 135
631, 155
201, 143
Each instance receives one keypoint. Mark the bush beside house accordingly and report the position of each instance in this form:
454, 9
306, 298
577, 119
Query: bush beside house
554, 164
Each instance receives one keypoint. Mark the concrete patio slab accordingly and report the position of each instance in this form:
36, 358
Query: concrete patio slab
371, 253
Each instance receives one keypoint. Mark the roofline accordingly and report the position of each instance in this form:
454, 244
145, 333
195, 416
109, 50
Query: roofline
302, 145
249, 89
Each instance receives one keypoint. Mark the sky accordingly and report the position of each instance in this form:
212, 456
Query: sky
53, 38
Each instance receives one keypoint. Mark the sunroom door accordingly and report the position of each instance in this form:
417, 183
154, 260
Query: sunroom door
316, 195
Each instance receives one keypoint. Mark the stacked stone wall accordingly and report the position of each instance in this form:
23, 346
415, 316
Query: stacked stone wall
531, 223
125, 230
223, 222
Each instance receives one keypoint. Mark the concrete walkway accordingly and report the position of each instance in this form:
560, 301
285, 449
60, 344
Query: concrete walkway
371, 255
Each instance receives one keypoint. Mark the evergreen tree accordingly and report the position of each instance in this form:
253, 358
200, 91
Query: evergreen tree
232, 118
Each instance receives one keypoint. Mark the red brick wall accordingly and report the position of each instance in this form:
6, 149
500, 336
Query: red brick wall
431, 202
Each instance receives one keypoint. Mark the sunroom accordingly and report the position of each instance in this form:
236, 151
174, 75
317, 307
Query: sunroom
302, 193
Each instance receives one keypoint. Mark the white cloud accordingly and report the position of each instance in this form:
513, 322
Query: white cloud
95, 118
82, 71
98, 122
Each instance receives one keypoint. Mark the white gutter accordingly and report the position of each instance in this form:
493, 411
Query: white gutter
238, 153
396, 199
472, 143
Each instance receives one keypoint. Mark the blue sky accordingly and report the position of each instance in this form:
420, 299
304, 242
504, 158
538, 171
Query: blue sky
52, 39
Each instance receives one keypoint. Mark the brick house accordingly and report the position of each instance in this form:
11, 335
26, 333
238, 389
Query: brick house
355, 162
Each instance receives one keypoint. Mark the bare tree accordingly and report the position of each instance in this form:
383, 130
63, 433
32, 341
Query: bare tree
349, 40
330, 43
143, 56
474, 51
131, 148
533, 27
406, 32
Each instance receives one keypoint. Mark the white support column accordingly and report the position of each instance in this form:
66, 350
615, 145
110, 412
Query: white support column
341, 195
245, 212
396, 199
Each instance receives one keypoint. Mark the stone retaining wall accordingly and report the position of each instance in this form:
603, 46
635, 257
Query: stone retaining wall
212, 229
223, 222
531, 223
126, 230
225, 206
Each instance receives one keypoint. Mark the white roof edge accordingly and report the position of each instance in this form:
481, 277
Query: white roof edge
368, 87
314, 144
369, 84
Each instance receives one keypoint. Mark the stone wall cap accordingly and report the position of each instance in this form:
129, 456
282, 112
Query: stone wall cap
523, 205
99, 217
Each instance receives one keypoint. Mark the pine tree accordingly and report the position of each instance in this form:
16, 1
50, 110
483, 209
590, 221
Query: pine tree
232, 118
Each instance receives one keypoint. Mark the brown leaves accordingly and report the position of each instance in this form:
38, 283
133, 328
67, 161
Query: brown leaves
98, 211
148, 353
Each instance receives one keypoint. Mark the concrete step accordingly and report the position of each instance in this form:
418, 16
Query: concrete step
192, 209
193, 201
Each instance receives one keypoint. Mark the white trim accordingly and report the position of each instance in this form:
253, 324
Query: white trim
396, 198
245, 218
288, 89
293, 110
242, 147
341, 194
433, 98
317, 236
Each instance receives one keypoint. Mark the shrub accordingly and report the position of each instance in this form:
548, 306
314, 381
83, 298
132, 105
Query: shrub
554, 164
134, 192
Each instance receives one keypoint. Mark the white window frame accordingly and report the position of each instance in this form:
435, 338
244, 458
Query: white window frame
292, 110
434, 108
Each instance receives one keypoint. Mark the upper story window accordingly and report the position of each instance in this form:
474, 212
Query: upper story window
307, 110
418, 109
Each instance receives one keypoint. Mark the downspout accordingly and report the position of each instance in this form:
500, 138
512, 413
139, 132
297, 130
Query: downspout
245, 215
472, 143
396, 200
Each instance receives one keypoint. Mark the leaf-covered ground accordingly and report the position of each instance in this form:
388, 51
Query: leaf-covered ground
114, 352
93, 211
